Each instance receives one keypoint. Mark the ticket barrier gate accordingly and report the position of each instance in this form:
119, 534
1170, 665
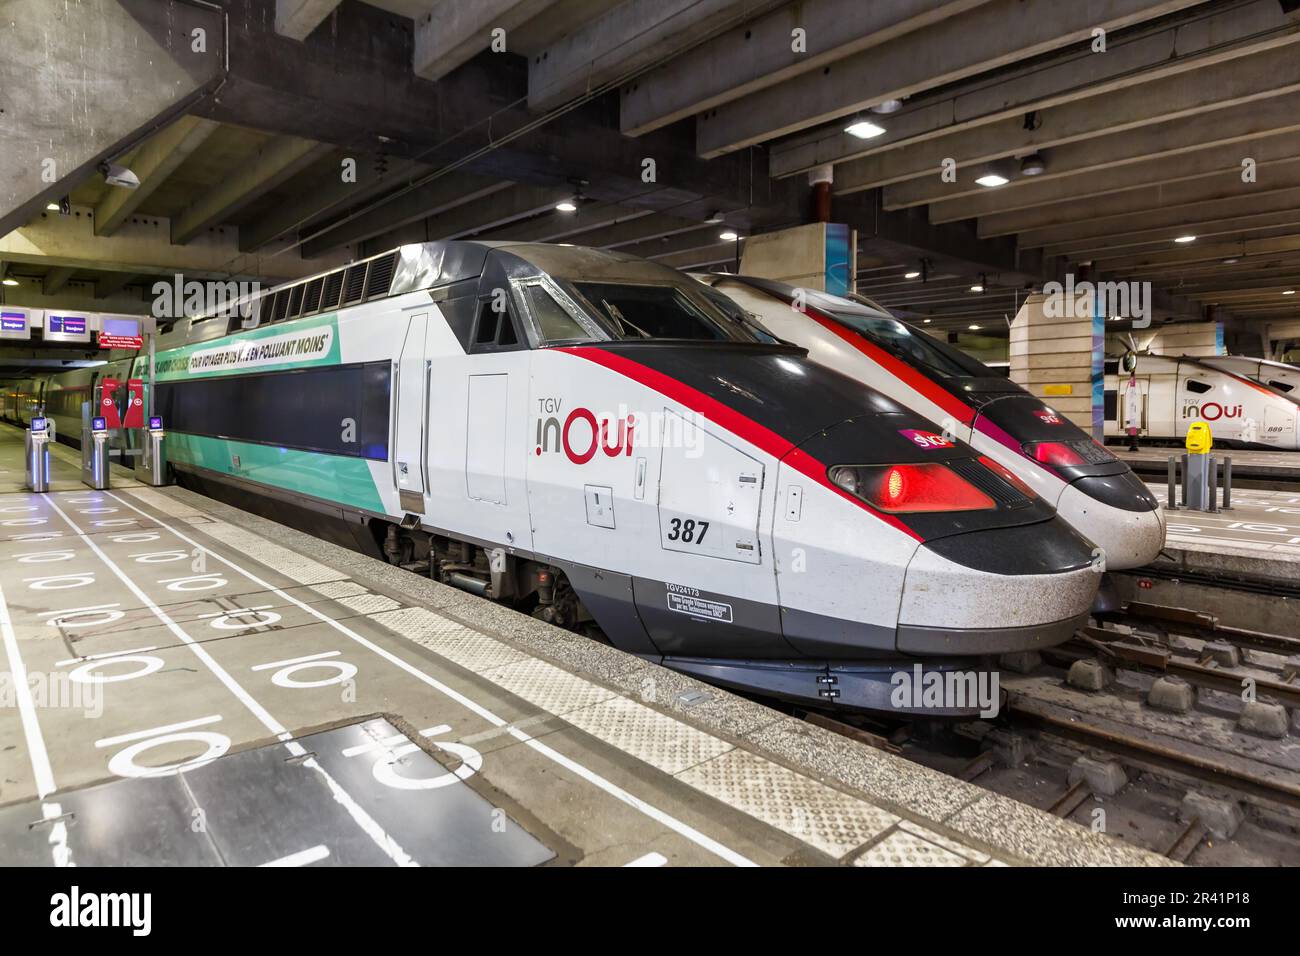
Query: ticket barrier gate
36, 455
94, 453
151, 465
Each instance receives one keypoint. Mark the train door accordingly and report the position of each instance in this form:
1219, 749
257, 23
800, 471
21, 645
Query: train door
410, 411
705, 596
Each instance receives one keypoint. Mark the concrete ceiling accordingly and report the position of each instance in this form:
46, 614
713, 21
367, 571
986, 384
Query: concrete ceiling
1139, 144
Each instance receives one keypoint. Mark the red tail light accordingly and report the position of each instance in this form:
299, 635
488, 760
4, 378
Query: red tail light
1060, 454
1007, 475
1056, 454
911, 489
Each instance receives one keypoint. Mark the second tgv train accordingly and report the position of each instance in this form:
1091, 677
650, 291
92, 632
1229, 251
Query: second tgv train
1093, 490
1277, 375
1241, 409
597, 438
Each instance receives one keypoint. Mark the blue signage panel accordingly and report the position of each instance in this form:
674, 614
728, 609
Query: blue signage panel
155, 423
99, 424
38, 424
13, 322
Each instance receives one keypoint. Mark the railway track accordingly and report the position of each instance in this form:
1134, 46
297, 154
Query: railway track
1032, 751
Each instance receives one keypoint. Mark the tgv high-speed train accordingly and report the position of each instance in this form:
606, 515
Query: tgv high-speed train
1093, 490
1278, 375
599, 438
1241, 411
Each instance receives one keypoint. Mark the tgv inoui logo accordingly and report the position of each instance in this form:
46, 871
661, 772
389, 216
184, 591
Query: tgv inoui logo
582, 433
74, 908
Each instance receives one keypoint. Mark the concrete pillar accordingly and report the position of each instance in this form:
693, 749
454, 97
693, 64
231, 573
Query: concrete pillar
1056, 352
1189, 338
820, 255
95, 76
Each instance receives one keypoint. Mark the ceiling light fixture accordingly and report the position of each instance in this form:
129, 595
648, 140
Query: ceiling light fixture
715, 217
567, 205
52, 206
887, 106
914, 274
1289, 292
973, 327
8, 281
1185, 239
863, 129
1033, 165
728, 236
992, 180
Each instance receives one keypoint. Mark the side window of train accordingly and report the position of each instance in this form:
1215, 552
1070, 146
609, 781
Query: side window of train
495, 330
1197, 386
1281, 386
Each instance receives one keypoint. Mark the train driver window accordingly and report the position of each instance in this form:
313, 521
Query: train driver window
552, 321
1198, 387
1281, 386
495, 330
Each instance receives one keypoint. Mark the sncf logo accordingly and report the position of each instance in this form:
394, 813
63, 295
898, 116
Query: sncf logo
1047, 416
582, 433
924, 439
1211, 411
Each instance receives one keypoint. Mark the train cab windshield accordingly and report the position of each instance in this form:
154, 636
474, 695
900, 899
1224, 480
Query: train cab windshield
915, 347
627, 311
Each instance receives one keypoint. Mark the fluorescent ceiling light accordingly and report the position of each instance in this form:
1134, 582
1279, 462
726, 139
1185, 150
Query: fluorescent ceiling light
9, 281
992, 180
1185, 239
52, 206
1289, 292
973, 327
977, 288
911, 275
567, 206
728, 236
864, 130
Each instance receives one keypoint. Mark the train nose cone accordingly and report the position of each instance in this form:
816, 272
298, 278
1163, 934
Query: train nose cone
997, 591
1124, 520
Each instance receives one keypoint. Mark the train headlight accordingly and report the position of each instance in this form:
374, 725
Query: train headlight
910, 489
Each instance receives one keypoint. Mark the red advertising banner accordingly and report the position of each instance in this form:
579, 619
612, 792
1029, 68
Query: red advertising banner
134, 417
108, 403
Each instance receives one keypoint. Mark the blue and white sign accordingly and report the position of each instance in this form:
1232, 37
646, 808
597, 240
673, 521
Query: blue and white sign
61, 327
15, 324
99, 424
38, 424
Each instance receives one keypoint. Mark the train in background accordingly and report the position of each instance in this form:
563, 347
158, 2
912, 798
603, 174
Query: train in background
1093, 490
1242, 410
600, 440
1278, 375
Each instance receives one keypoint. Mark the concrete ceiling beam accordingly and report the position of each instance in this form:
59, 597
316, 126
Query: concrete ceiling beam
1236, 83
279, 160
761, 53
155, 161
1193, 41
454, 31
985, 38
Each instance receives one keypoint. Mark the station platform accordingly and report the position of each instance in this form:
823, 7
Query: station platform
1273, 469
1257, 538
188, 683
